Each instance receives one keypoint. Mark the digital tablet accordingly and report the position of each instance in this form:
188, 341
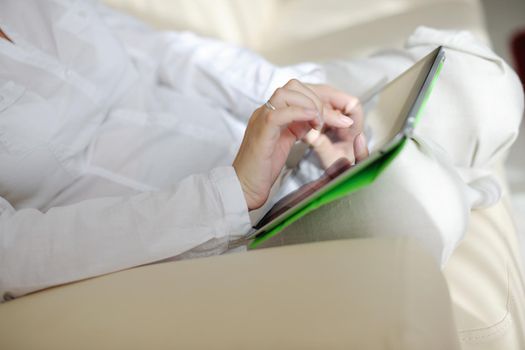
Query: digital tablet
391, 115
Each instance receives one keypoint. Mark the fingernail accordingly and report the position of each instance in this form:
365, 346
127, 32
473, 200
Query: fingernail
360, 143
351, 105
345, 121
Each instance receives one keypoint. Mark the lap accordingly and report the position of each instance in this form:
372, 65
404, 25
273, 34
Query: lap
416, 196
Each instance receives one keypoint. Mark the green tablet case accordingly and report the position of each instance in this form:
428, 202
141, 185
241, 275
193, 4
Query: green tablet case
360, 179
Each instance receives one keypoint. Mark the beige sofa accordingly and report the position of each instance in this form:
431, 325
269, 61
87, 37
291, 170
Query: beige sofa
370, 294
362, 294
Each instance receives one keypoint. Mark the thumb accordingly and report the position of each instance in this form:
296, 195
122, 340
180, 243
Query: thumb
323, 146
360, 148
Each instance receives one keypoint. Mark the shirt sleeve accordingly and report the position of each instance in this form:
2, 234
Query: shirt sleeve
98, 236
236, 78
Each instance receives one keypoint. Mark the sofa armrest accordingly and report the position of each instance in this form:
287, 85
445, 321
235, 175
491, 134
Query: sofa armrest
362, 294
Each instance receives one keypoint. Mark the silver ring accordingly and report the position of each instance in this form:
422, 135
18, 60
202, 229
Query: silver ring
269, 106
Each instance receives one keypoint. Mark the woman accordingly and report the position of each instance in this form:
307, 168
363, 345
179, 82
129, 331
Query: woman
121, 146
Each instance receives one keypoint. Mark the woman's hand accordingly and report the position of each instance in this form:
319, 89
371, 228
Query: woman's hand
298, 113
270, 135
336, 142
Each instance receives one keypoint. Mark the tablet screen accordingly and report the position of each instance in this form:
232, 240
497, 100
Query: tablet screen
387, 114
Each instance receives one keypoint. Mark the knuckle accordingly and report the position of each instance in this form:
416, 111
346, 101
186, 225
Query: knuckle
279, 92
354, 102
293, 82
258, 115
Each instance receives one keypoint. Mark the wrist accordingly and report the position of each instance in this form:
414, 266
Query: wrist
251, 196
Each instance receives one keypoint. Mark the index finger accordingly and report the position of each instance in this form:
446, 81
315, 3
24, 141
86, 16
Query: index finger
347, 104
336, 98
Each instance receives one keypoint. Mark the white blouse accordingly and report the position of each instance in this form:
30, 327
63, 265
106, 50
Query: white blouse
116, 141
